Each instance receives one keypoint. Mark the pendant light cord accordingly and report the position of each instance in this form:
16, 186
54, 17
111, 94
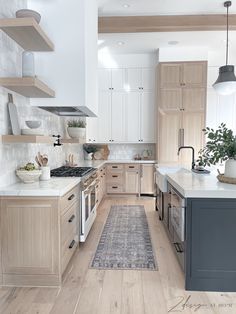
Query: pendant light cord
227, 38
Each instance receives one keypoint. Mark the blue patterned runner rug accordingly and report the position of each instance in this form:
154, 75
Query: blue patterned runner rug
125, 241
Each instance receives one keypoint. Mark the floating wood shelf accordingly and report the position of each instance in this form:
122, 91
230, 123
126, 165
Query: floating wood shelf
27, 86
27, 33
72, 141
27, 139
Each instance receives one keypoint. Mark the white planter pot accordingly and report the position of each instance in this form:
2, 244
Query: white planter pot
76, 132
230, 168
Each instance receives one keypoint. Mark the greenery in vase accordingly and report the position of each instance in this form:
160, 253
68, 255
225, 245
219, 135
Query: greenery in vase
76, 123
29, 167
221, 146
90, 148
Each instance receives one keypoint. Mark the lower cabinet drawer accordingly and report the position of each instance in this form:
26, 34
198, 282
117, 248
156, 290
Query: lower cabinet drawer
115, 177
113, 167
69, 198
68, 223
115, 188
67, 252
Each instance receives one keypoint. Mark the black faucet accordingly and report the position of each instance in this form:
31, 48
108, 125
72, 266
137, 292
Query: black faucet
193, 157
58, 140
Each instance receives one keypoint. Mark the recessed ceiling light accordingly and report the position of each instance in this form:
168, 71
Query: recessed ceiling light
173, 42
126, 5
120, 43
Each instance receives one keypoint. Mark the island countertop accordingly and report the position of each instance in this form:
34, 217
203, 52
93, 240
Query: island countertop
193, 185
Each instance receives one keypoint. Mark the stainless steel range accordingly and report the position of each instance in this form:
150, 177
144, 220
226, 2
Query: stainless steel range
88, 206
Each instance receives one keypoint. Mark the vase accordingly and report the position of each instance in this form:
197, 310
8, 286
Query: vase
230, 168
76, 132
45, 176
28, 64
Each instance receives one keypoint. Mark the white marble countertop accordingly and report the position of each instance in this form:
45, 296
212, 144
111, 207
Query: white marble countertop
58, 186
53, 187
100, 163
193, 185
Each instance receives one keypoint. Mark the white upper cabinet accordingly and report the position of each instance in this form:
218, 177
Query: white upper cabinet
126, 107
132, 115
91, 130
140, 117
140, 78
111, 79
104, 117
118, 117
148, 117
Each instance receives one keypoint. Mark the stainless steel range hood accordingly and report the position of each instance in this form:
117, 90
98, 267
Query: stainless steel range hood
64, 111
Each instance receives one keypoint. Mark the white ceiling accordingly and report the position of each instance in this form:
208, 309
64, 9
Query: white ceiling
163, 7
150, 42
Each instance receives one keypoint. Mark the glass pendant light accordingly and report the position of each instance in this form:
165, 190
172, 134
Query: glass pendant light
226, 82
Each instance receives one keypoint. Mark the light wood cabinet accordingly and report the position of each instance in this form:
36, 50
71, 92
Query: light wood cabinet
132, 179
181, 109
147, 179
101, 185
38, 238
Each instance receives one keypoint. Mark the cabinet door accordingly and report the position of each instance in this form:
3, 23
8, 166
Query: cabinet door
91, 130
195, 74
118, 79
104, 79
147, 179
118, 117
193, 123
170, 99
131, 181
134, 79
133, 117
194, 99
29, 231
104, 117
148, 78
170, 74
169, 128
148, 117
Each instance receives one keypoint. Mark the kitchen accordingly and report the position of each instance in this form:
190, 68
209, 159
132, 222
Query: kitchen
52, 252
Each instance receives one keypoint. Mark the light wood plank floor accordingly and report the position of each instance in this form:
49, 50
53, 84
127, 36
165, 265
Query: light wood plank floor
90, 291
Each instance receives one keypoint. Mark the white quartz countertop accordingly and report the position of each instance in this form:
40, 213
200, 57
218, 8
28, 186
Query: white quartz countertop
193, 185
100, 163
58, 186
52, 187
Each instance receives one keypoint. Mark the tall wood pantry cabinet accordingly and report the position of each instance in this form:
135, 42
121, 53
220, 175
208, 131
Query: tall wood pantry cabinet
181, 109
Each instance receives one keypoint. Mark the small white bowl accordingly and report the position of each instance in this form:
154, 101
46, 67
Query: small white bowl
29, 176
28, 13
33, 124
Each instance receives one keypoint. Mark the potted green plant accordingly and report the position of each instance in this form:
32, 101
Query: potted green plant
220, 147
76, 128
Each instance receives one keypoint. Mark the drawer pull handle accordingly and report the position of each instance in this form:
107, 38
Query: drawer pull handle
115, 187
96, 201
114, 176
96, 186
114, 167
70, 198
72, 244
71, 218
178, 248
131, 167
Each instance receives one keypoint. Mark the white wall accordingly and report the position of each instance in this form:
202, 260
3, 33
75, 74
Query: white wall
14, 155
107, 60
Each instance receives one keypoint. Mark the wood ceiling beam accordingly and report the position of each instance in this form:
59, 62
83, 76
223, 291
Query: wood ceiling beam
165, 23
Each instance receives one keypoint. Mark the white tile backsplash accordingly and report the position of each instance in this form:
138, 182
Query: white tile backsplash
14, 155
128, 151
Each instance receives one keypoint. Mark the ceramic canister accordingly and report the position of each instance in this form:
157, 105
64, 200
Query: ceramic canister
28, 64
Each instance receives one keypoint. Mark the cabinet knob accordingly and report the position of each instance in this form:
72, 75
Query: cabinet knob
71, 197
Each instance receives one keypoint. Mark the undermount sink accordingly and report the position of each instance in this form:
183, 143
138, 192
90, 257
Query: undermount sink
161, 173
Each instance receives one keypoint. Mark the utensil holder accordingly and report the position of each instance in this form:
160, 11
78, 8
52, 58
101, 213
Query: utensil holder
45, 173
